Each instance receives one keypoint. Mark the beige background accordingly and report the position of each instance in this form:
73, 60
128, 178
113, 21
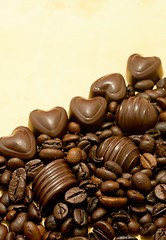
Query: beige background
52, 50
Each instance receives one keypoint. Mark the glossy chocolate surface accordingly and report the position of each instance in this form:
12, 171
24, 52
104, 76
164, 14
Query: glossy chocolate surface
121, 150
53, 122
21, 143
136, 115
141, 68
111, 86
90, 114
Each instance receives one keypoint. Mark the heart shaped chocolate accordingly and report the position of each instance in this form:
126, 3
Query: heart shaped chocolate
90, 114
21, 143
112, 87
141, 68
53, 122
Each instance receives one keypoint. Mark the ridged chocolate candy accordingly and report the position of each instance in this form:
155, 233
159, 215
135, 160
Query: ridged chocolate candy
120, 150
51, 182
112, 87
141, 68
136, 115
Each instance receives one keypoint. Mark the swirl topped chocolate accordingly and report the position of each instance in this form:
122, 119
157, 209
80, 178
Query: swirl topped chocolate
136, 115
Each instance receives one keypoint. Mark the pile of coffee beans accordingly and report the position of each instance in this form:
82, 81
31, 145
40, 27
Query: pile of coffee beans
99, 172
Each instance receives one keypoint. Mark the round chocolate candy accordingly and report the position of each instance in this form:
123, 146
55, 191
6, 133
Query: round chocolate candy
141, 68
120, 150
136, 115
112, 87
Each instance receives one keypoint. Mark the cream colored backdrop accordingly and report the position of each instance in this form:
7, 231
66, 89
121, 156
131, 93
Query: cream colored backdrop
52, 50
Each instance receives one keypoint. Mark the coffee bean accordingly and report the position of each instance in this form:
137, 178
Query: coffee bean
98, 214
50, 154
133, 226
135, 196
18, 208
2, 163
160, 191
52, 143
33, 167
31, 231
5, 178
17, 224
67, 227
10, 236
75, 195
161, 127
105, 134
144, 85
3, 231
55, 235
74, 127
80, 231
148, 229
92, 204
160, 222
28, 198
163, 179
124, 183
80, 217
126, 238
153, 95
160, 234
11, 215
116, 131
120, 228
159, 209
69, 146
98, 161
16, 188
150, 198
114, 167
147, 172
20, 237
138, 209
160, 175
79, 238
74, 156
3, 210
161, 102
60, 211
103, 230
89, 185
113, 202
141, 182
127, 176
51, 223
161, 161
105, 174
70, 138
41, 138
120, 216
14, 163
147, 218
42, 229
109, 186
148, 161
34, 213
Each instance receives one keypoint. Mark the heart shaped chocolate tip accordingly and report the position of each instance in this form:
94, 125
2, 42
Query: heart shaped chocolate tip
53, 122
112, 87
21, 143
89, 113
141, 68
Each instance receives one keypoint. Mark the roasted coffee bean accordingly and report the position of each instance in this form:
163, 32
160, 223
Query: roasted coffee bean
33, 167
120, 193
60, 211
124, 183
160, 175
69, 146
41, 138
83, 172
79, 238
133, 226
149, 208
92, 138
92, 204
135, 196
51, 223
89, 186
105, 174
42, 229
67, 227
120, 216
160, 192
148, 172
34, 213
116, 131
3, 231
114, 167
74, 127
113, 202
92, 168
98, 214
163, 179
145, 219
28, 198
31, 231
109, 186
11, 215
162, 116
98, 161
96, 179
103, 230
160, 222
153, 95
141, 182
113, 106
150, 198
18, 208
120, 228
74, 155
19, 172
160, 83
16, 188
148, 161
126, 238
5, 178
52, 143
144, 85
17, 224
161, 127
105, 134
148, 229
50, 154
80, 217
144, 95
70, 138
153, 183
10, 236
130, 90
127, 176
80, 231
138, 209
160, 234
85, 145
107, 125
161, 102
136, 169
75, 195
20, 237
14, 163
3, 210
2, 163
159, 209
161, 149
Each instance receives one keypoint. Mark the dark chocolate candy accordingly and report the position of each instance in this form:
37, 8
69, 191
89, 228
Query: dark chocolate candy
21, 143
90, 114
53, 122
121, 150
112, 87
141, 68
136, 115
